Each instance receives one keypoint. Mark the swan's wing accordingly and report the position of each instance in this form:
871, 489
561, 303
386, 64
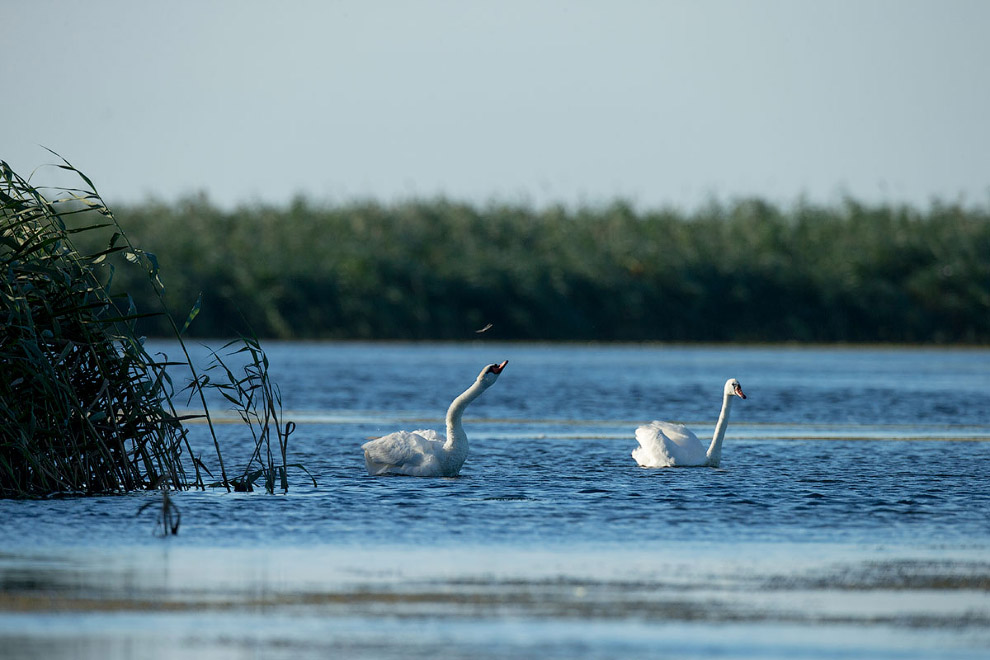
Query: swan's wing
651, 451
679, 434
429, 435
665, 444
403, 452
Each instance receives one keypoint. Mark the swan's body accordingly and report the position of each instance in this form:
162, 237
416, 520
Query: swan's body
423, 453
665, 444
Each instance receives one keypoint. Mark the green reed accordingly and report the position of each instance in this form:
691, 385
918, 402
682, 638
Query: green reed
258, 402
437, 269
84, 408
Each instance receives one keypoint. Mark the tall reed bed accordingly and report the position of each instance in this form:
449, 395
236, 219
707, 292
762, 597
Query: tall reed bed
740, 271
84, 408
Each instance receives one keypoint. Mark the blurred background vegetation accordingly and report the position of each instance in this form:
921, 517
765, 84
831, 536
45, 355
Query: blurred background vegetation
741, 271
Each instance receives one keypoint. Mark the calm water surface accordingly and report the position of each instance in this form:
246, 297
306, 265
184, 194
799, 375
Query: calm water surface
850, 517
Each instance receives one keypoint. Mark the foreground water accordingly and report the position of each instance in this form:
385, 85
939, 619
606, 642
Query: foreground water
849, 518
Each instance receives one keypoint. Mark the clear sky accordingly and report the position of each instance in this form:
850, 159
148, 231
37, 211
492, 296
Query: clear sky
657, 102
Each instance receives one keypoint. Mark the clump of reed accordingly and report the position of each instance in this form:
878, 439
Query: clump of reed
258, 403
84, 408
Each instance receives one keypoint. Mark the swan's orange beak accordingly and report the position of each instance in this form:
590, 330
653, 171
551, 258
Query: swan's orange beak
739, 392
497, 368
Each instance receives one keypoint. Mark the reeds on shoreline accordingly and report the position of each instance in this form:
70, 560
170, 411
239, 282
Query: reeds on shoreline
84, 408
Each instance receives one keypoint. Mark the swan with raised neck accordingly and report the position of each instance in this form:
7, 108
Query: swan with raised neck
667, 444
422, 453
732, 389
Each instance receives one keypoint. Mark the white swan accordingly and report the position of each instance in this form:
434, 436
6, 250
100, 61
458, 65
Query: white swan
663, 444
424, 453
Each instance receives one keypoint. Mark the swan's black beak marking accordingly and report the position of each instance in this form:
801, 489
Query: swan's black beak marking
497, 368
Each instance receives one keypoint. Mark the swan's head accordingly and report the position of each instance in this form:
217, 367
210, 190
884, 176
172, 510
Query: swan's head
490, 373
732, 387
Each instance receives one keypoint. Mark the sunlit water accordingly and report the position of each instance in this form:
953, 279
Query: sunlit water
850, 517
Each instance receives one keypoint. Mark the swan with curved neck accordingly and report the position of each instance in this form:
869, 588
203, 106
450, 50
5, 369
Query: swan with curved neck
665, 444
423, 453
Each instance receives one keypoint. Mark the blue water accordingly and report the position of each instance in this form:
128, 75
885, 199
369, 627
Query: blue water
849, 517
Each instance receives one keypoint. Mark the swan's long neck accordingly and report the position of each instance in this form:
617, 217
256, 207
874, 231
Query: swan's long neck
715, 449
456, 437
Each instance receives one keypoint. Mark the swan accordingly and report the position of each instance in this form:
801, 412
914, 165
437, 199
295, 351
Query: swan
664, 444
423, 453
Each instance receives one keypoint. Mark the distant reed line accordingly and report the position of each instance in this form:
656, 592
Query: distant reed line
744, 271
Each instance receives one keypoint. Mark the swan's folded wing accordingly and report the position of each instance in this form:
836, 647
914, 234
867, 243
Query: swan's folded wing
665, 444
679, 434
401, 451
651, 451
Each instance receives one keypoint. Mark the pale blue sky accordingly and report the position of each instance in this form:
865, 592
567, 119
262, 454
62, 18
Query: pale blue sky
536, 101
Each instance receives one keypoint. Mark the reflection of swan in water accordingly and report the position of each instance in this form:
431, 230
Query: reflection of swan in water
424, 453
663, 444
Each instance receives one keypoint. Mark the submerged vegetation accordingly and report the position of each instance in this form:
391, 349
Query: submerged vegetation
83, 407
744, 271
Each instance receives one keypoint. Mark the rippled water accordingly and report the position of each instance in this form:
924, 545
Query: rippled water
849, 517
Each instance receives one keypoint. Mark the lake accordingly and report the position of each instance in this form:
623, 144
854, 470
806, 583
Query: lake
850, 517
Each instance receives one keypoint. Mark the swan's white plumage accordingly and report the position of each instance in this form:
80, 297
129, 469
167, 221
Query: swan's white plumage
666, 444
424, 453
416, 453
